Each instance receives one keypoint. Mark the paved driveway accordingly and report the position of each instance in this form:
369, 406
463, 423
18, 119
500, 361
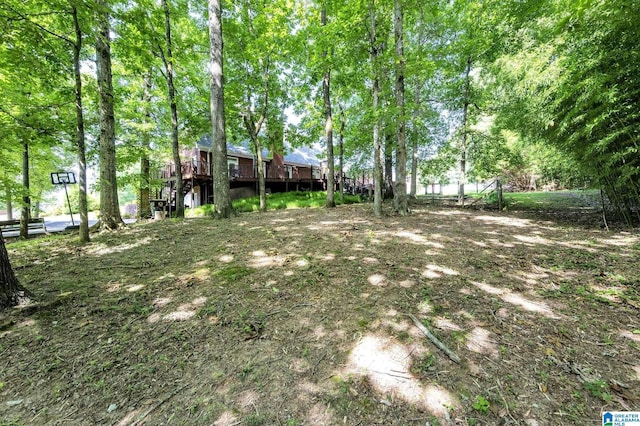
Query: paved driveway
58, 224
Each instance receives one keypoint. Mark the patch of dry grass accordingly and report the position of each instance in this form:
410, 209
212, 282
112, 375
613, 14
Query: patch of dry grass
298, 317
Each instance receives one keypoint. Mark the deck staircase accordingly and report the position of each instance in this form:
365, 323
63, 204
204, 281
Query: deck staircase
171, 189
187, 185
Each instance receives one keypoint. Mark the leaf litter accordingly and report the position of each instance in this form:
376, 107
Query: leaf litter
300, 317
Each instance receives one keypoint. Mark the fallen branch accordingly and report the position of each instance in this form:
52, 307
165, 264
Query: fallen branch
455, 358
571, 367
141, 419
118, 265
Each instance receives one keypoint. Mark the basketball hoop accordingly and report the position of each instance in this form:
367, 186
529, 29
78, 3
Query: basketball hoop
64, 178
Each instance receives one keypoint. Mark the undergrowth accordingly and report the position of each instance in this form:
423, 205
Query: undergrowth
279, 201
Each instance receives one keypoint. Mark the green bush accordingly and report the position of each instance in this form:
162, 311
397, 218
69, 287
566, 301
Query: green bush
202, 211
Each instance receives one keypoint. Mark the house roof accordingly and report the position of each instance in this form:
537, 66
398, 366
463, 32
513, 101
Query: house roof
297, 156
304, 155
243, 149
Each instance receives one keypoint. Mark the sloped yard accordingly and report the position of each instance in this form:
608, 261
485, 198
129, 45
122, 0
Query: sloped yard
299, 317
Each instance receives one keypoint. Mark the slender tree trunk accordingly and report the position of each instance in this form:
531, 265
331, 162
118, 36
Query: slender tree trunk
9, 201
388, 190
110, 217
11, 292
79, 136
341, 151
416, 115
221, 192
168, 62
26, 199
328, 122
144, 190
463, 147
262, 190
414, 142
375, 89
254, 129
36, 206
400, 193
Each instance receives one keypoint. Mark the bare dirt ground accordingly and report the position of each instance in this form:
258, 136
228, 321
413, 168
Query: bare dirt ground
300, 317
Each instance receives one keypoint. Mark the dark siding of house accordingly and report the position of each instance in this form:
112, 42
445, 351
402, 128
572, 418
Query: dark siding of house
303, 173
245, 167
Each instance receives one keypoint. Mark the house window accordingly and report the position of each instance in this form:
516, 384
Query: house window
233, 167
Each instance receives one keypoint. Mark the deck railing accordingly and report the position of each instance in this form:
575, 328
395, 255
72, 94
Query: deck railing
243, 171
188, 168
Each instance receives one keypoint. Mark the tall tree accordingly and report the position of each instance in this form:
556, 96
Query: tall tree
159, 45
376, 47
144, 188
464, 131
417, 109
328, 116
253, 128
400, 193
221, 192
574, 75
110, 217
414, 144
51, 24
259, 55
167, 60
80, 134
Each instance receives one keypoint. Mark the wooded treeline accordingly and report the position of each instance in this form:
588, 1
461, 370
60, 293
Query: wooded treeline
540, 92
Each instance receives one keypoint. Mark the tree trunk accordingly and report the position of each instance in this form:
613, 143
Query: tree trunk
144, 190
400, 193
9, 201
414, 142
262, 190
26, 199
388, 164
463, 147
341, 152
168, 63
416, 115
328, 122
79, 136
254, 129
375, 91
110, 217
11, 292
221, 192
414, 168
